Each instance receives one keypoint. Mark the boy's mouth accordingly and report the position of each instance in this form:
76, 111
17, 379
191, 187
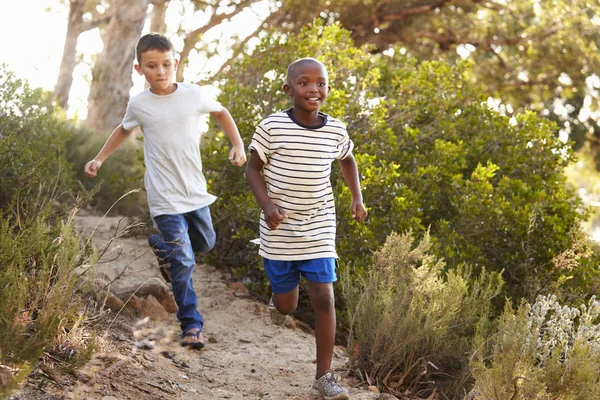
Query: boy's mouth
313, 98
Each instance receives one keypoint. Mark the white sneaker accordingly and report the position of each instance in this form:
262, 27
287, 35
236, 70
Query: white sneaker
276, 317
329, 387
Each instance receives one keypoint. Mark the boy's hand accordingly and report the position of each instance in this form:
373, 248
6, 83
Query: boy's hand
237, 156
92, 167
359, 212
273, 215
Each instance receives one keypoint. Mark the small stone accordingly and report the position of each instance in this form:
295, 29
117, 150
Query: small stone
290, 323
113, 302
153, 309
373, 389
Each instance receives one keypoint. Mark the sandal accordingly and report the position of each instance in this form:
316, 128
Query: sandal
193, 345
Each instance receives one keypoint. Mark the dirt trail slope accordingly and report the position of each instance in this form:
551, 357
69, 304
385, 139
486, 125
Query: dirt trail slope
246, 357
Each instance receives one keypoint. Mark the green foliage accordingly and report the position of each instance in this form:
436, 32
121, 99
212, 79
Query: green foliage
39, 252
31, 136
121, 173
39, 249
431, 155
541, 351
533, 55
412, 325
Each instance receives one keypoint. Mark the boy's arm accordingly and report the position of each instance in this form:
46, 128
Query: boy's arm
237, 155
273, 214
350, 173
114, 141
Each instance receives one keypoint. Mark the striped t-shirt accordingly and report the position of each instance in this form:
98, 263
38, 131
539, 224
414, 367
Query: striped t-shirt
297, 168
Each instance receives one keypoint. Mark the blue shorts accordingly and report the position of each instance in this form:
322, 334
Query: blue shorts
285, 275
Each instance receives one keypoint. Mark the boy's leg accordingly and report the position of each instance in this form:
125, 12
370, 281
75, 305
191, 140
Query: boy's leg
321, 274
174, 230
284, 277
323, 304
201, 230
161, 251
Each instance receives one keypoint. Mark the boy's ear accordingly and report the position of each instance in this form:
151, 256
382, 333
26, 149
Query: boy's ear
138, 68
287, 89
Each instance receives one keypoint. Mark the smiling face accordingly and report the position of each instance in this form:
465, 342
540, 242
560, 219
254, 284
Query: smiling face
158, 67
307, 85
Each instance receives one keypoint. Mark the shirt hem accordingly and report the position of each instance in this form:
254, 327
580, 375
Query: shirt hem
156, 213
295, 257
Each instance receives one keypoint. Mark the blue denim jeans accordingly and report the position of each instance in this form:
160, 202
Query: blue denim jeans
182, 236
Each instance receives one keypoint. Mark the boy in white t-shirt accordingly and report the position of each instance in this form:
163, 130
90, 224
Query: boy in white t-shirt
168, 113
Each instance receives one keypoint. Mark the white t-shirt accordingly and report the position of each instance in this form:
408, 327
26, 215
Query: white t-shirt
174, 180
297, 167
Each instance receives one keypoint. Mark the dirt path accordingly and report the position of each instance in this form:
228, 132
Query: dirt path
140, 358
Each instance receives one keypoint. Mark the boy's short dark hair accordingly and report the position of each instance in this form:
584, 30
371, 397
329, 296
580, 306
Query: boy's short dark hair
152, 41
292, 68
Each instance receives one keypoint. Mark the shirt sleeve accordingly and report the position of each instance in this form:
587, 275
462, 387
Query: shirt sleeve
344, 146
206, 100
129, 120
261, 142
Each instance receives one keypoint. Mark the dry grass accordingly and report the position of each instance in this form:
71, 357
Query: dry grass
413, 323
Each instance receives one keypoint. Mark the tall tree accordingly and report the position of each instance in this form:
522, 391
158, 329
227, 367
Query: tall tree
218, 12
532, 54
84, 15
158, 16
111, 76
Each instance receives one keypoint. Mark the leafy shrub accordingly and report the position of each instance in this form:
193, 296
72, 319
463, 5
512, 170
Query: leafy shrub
120, 173
431, 155
39, 249
39, 252
31, 135
412, 325
540, 351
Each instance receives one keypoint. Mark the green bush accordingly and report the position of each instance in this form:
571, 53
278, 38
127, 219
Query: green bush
39, 249
412, 325
431, 155
121, 173
543, 350
32, 137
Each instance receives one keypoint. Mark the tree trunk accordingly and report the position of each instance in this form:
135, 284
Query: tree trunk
68, 62
157, 19
111, 76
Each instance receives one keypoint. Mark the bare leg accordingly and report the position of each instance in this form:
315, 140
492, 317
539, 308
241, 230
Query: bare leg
286, 303
323, 303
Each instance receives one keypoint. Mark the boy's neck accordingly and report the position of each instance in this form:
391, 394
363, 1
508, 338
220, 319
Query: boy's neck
308, 118
160, 92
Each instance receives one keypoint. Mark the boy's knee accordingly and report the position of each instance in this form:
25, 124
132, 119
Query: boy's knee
205, 244
286, 309
323, 300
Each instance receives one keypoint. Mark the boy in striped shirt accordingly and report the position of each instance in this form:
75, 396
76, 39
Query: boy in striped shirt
289, 173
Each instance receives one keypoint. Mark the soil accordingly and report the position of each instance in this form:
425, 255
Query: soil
139, 356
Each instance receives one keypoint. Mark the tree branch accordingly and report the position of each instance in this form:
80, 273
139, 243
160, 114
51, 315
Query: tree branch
89, 25
194, 36
273, 18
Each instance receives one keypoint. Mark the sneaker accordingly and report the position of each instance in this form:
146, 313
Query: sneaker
276, 317
163, 263
329, 387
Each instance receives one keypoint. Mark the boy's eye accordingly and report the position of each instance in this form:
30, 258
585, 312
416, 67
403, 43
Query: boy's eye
303, 83
321, 83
